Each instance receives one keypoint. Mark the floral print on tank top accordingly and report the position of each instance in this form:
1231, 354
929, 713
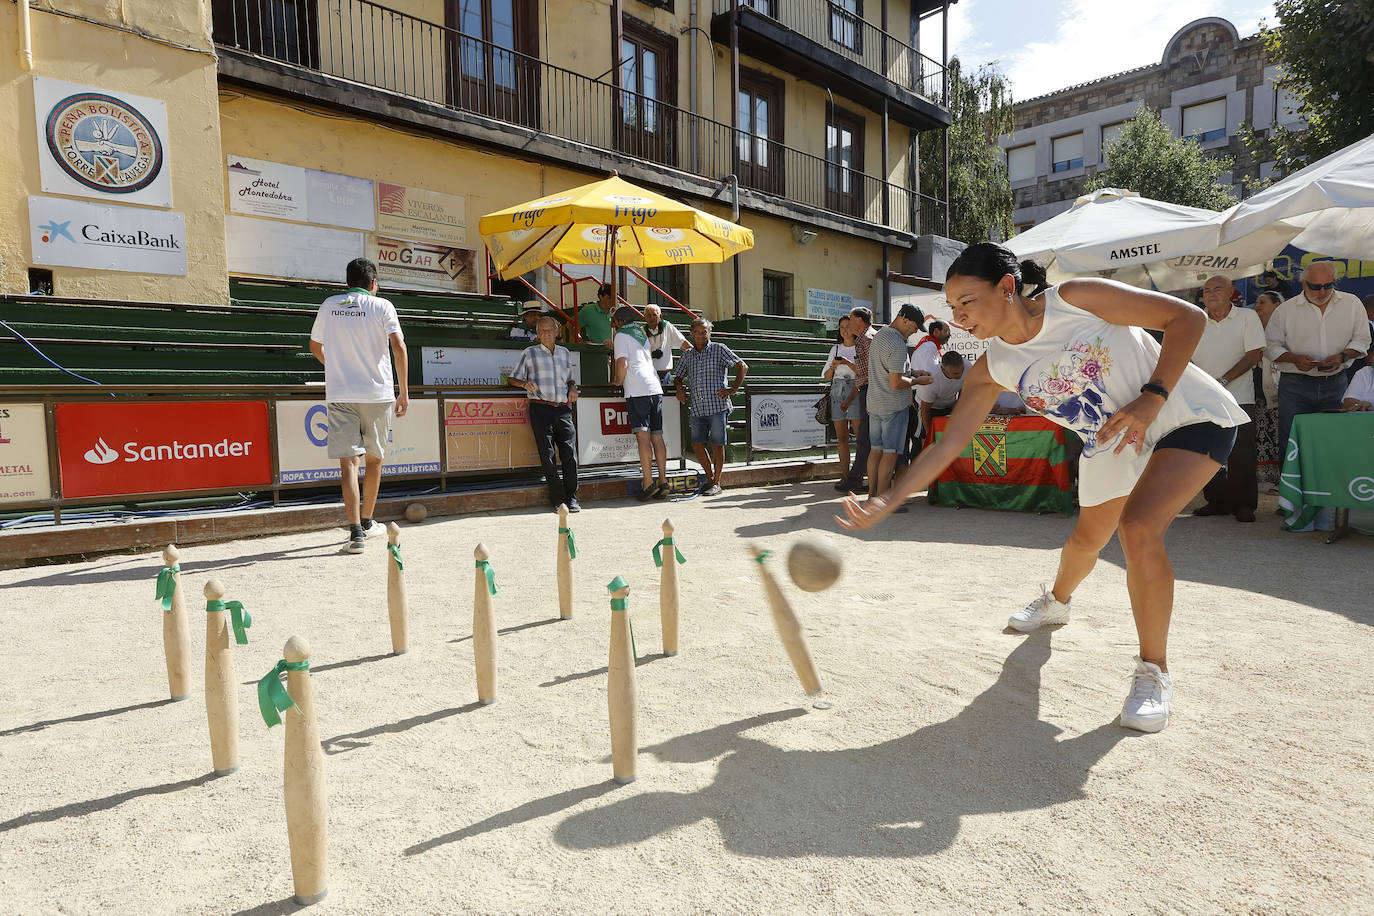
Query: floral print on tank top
1070, 388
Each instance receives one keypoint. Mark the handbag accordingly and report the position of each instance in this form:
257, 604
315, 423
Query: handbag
822, 408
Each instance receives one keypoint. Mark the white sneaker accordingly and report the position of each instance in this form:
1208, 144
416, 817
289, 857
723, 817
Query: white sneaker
1042, 612
1152, 693
374, 530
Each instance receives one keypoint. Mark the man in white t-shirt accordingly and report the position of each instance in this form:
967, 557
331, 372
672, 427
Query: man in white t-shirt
1232, 344
664, 338
936, 394
351, 337
634, 371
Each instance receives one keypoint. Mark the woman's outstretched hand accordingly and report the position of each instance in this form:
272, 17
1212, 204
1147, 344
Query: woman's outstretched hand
864, 514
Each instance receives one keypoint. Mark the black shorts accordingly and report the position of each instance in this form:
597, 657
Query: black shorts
1207, 439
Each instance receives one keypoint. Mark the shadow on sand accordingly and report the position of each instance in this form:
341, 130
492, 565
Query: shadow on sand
903, 797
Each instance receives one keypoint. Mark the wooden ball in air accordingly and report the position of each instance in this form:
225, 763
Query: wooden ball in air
813, 565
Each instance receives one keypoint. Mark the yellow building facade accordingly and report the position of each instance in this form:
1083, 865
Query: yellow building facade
273, 139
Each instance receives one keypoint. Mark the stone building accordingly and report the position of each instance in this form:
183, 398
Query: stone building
1208, 83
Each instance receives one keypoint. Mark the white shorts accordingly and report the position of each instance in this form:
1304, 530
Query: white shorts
358, 429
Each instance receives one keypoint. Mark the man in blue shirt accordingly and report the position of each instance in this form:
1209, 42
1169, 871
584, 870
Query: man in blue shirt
703, 364
545, 373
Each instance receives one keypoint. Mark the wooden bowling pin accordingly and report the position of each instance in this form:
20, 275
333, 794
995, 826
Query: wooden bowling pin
668, 591
789, 628
620, 686
565, 581
221, 702
483, 632
176, 629
303, 781
396, 605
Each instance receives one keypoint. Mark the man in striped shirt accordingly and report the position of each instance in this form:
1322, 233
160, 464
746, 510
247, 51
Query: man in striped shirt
546, 375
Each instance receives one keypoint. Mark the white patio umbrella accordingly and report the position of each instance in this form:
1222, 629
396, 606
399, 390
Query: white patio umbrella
1122, 236
1329, 207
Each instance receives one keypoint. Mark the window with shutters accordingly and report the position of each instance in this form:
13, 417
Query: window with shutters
1206, 121
1021, 162
1067, 153
759, 150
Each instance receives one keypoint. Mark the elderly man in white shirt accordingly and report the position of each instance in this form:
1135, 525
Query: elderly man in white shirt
1312, 338
1232, 345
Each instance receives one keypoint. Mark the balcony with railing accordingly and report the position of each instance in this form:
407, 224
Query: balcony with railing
829, 42
527, 99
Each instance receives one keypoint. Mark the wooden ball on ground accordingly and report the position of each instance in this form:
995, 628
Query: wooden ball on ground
416, 512
814, 565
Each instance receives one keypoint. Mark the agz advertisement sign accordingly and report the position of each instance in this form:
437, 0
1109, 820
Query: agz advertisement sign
126, 449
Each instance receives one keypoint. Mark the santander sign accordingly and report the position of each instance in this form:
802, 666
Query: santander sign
165, 447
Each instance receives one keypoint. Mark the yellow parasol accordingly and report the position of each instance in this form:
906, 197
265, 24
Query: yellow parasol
610, 222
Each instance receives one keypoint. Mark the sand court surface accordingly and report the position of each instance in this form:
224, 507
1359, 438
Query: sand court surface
960, 767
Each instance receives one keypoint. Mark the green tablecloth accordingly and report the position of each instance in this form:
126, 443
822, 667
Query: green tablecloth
1329, 461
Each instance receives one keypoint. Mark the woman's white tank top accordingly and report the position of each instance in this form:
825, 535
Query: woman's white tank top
1079, 369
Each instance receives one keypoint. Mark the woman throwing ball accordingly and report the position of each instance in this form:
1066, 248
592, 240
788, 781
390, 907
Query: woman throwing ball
1155, 429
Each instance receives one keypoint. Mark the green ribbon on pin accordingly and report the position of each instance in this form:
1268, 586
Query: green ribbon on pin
572, 543
763, 555
166, 584
667, 542
623, 604
485, 566
240, 618
395, 550
272, 695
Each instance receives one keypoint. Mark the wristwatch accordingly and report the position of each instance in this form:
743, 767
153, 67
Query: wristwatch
1155, 388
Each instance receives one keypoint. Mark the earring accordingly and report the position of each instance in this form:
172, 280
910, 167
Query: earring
1008, 298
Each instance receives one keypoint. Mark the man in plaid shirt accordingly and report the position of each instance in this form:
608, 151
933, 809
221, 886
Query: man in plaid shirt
704, 364
853, 480
545, 373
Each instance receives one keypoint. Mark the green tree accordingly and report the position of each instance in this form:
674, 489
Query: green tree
979, 191
1325, 52
1148, 159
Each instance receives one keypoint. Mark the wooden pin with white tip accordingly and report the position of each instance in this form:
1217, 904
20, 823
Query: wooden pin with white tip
565, 580
397, 607
484, 630
789, 628
303, 783
176, 628
221, 700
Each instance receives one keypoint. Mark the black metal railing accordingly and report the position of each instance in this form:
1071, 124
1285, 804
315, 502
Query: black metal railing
377, 46
838, 26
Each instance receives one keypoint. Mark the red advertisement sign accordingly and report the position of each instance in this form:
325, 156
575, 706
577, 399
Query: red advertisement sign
615, 418
134, 448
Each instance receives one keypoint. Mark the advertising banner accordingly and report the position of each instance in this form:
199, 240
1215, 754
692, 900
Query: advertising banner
266, 188
107, 145
303, 440
464, 367
489, 434
339, 200
828, 305
784, 422
424, 264
23, 454
70, 233
265, 248
261, 188
120, 449
414, 213
604, 436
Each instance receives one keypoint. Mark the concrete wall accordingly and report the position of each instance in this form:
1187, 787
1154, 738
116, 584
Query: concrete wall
111, 56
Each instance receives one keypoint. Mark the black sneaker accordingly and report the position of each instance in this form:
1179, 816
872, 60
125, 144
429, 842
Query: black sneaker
646, 492
660, 491
574, 505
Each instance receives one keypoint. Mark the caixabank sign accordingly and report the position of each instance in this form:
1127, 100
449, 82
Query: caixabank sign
165, 447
